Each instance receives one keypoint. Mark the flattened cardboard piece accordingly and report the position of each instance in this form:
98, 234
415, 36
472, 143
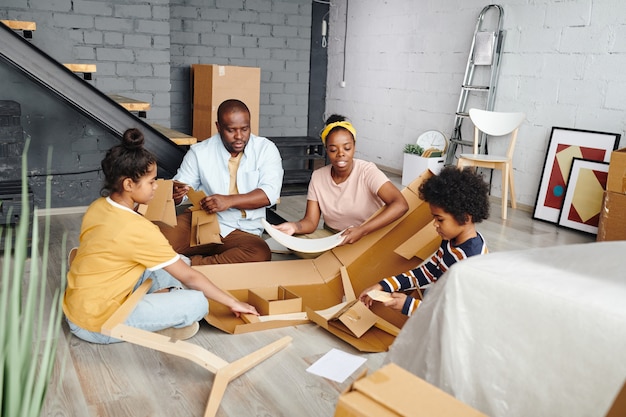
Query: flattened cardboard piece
318, 281
205, 228
161, 209
303, 245
374, 340
402, 393
354, 318
423, 244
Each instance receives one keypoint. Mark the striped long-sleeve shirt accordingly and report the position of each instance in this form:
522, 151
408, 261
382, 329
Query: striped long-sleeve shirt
430, 271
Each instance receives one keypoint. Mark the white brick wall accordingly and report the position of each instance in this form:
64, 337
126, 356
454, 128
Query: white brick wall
563, 65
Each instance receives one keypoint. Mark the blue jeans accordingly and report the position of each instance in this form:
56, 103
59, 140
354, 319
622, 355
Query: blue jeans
178, 308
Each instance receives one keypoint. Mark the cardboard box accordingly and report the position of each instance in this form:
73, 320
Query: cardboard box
414, 165
205, 228
393, 391
616, 181
319, 281
612, 224
274, 300
161, 208
618, 408
212, 84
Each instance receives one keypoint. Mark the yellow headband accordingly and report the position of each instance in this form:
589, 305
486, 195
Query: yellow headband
346, 125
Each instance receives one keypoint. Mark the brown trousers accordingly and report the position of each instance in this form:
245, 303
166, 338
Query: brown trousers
237, 247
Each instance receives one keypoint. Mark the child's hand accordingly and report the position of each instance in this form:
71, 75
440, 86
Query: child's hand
240, 307
366, 299
397, 301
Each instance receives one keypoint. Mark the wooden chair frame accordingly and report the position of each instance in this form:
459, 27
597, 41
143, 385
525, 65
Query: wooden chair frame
223, 370
508, 124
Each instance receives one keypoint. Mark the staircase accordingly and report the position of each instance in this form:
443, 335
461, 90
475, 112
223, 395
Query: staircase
70, 81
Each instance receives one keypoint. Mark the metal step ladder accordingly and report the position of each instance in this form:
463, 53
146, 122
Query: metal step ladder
481, 76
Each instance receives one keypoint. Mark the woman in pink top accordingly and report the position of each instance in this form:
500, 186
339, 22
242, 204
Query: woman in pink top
348, 191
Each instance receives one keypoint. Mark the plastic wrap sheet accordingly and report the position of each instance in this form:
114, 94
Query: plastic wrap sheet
540, 332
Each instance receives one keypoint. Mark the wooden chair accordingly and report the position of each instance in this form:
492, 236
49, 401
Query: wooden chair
495, 124
224, 371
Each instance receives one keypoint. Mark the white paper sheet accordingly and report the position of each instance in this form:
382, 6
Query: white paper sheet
303, 245
336, 365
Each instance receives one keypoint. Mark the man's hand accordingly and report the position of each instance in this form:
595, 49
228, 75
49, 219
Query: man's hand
215, 203
179, 191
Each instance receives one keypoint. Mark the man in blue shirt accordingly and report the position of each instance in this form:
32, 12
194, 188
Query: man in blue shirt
241, 174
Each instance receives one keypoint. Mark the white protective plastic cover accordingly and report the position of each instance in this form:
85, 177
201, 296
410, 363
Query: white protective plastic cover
540, 332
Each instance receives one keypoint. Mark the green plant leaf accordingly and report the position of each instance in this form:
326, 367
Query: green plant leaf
27, 348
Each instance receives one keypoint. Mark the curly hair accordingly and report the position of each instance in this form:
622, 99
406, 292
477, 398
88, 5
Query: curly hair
462, 193
126, 160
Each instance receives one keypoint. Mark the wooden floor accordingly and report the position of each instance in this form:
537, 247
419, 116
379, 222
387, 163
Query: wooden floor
127, 380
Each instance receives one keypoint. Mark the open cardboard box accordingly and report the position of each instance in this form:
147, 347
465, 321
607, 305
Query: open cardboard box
274, 300
320, 284
392, 391
205, 228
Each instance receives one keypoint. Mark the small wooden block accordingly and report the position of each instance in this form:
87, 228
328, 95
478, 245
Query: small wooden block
20, 25
129, 103
381, 296
84, 68
176, 137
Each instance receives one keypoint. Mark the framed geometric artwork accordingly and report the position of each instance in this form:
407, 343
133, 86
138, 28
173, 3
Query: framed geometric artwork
582, 202
565, 145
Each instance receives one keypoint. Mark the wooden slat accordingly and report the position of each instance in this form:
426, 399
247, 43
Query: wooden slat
20, 25
129, 103
176, 137
84, 68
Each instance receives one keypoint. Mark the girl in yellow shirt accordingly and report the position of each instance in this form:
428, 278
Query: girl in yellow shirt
119, 249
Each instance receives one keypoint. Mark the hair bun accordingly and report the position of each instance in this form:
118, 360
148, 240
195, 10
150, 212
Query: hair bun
133, 139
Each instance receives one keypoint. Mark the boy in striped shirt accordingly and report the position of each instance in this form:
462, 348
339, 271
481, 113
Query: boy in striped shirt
458, 199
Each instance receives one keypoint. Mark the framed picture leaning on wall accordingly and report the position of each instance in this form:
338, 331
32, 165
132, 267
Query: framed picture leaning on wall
565, 145
582, 202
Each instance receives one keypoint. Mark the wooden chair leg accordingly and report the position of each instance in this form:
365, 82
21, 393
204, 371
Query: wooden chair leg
505, 191
512, 187
234, 369
223, 370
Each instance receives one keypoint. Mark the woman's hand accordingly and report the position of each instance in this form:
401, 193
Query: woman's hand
288, 228
352, 234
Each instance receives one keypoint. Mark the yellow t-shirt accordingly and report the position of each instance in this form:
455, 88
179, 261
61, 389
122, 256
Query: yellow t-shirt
116, 246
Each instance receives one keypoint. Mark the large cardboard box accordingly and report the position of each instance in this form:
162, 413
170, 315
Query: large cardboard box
212, 84
616, 181
392, 391
320, 283
612, 225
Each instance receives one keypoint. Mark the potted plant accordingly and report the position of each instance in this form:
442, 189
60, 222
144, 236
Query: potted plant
417, 160
27, 347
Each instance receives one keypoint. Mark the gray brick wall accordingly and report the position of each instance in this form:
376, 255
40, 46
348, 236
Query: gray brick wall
256, 33
145, 51
129, 43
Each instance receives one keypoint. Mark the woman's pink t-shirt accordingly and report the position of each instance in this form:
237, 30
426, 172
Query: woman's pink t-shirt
351, 202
